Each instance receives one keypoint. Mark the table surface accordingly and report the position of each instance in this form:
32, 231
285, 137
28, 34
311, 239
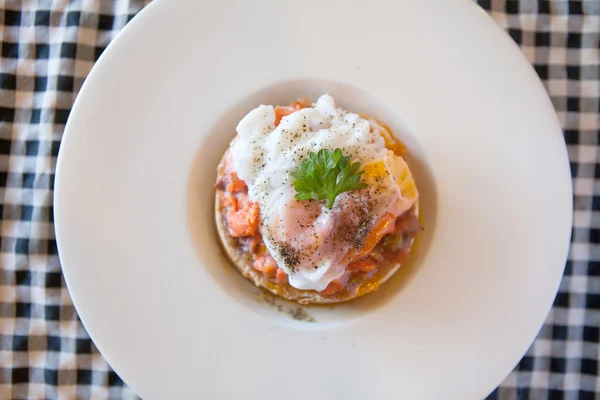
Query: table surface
47, 49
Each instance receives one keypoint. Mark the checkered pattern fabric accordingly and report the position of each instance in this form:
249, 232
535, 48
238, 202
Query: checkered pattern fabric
47, 49
562, 41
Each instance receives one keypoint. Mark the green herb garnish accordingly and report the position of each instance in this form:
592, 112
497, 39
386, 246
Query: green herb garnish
326, 175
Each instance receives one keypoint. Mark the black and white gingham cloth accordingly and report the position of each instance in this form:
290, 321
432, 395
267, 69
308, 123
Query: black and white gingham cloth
47, 49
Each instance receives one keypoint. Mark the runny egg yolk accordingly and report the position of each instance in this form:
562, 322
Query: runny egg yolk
392, 173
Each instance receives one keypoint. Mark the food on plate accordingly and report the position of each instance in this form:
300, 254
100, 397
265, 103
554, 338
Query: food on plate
315, 203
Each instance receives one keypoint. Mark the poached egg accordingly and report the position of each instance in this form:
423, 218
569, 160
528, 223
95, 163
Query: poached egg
310, 242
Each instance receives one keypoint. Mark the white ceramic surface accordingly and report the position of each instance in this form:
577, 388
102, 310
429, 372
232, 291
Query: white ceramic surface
134, 189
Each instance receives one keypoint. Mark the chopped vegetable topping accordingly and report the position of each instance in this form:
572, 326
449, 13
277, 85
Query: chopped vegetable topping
326, 175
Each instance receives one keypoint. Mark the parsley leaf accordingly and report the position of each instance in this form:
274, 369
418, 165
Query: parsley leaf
325, 175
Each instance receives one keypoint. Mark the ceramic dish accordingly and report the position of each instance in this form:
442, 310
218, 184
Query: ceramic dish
134, 201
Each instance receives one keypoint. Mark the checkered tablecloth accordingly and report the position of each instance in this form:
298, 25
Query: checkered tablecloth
47, 49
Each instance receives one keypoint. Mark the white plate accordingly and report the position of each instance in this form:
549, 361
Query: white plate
134, 189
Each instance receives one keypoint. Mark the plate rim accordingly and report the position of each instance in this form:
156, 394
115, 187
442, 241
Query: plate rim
105, 58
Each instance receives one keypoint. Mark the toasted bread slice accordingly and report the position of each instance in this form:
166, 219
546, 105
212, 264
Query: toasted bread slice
243, 262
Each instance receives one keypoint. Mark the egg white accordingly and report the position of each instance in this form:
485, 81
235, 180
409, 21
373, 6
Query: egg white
264, 156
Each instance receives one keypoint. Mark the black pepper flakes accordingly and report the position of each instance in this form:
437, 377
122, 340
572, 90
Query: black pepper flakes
289, 254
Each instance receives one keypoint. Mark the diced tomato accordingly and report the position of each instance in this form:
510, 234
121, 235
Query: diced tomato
297, 105
228, 200
281, 277
265, 264
235, 184
336, 285
301, 103
363, 265
281, 112
244, 221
